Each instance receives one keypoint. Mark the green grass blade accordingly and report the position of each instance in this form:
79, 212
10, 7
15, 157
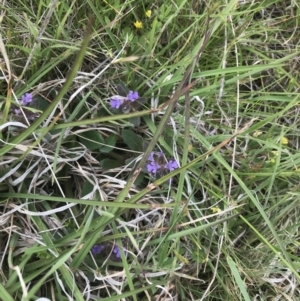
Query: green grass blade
240, 283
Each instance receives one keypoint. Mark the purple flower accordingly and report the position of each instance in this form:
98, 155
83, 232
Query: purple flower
17, 111
97, 249
151, 157
117, 252
152, 167
126, 102
116, 102
133, 95
108, 249
26, 99
157, 164
172, 165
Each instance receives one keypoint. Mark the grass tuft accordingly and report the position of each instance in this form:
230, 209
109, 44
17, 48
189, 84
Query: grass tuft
185, 190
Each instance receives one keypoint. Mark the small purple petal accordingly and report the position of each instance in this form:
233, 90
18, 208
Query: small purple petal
152, 167
17, 111
133, 95
96, 249
151, 156
116, 102
172, 165
26, 99
117, 252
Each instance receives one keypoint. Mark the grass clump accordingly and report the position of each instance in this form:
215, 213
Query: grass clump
149, 151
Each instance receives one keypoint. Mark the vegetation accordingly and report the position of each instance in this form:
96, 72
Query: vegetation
149, 150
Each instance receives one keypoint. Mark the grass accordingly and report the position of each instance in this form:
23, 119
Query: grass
221, 84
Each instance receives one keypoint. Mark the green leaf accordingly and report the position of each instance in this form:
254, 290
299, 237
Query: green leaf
122, 89
133, 141
136, 121
130, 162
92, 139
109, 164
110, 142
140, 178
40, 103
86, 188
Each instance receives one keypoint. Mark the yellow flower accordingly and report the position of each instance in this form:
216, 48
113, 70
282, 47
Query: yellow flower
257, 133
215, 209
138, 24
148, 13
284, 140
